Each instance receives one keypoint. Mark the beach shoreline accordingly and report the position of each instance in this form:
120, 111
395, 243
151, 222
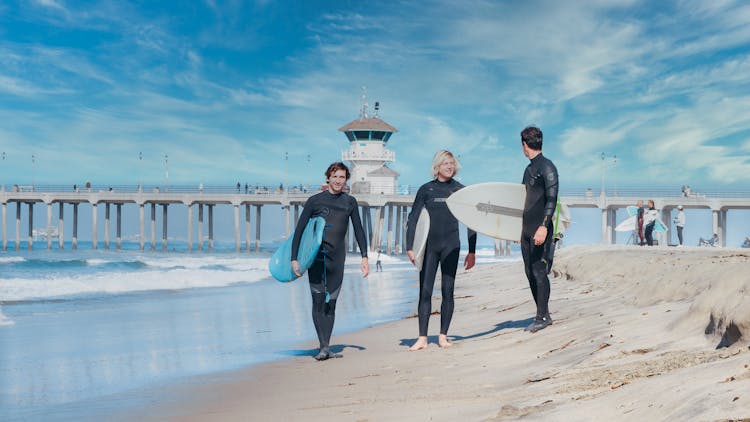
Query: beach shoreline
629, 325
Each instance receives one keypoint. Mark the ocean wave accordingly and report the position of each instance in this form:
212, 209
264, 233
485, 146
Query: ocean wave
74, 286
11, 259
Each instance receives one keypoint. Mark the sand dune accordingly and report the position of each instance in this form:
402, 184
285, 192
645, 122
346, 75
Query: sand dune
635, 338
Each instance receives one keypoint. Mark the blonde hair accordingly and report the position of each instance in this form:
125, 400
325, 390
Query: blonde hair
438, 159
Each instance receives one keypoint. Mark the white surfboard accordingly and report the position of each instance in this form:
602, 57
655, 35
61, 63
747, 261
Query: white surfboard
627, 225
420, 238
562, 218
493, 208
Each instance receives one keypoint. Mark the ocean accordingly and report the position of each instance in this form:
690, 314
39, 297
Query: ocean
77, 327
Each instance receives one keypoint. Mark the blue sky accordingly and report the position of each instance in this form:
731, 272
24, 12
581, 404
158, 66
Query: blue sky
227, 88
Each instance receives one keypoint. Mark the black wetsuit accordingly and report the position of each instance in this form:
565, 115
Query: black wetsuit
443, 247
327, 272
541, 183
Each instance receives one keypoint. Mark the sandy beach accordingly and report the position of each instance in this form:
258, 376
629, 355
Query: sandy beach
635, 337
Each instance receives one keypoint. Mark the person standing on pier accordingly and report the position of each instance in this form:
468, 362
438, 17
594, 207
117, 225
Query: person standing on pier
443, 245
537, 232
327, 272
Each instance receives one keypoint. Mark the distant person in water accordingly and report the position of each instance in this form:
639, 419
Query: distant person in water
327, 272
537, 233
443, 245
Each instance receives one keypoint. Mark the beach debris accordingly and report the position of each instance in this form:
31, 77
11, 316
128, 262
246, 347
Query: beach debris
616, 386
563, 346
601, 346
539, 378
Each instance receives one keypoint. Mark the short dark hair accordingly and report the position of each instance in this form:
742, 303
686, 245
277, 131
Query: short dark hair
334, 167
532, 137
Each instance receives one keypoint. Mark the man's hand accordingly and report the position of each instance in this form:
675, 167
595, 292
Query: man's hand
410, 254
295, 268
540, 236
470, 260
365, 266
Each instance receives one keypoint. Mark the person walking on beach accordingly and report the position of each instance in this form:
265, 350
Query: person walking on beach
649, 219
540, 178
639, 223
443, 245
378, 264
327, 272
679, 222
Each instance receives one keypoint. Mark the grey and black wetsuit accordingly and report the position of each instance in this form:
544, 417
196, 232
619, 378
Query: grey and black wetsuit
541, 183
327, 272
443, 246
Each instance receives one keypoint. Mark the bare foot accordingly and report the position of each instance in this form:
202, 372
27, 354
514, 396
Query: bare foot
420, 344
443, 341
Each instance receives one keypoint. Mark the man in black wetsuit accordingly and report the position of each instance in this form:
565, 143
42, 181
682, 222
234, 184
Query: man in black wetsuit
327, 272
443, 246
537, 234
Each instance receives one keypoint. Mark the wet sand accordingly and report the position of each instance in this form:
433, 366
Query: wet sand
635, 337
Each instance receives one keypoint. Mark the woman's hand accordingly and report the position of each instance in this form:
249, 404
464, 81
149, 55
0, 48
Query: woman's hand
365, 266
295, 268
410, 254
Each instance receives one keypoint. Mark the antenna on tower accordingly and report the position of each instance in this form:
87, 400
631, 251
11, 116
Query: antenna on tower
363, 113
377, 108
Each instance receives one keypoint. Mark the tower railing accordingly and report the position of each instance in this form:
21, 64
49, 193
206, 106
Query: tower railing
348, 155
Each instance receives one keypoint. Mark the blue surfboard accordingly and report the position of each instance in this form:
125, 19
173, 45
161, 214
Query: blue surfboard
280, 264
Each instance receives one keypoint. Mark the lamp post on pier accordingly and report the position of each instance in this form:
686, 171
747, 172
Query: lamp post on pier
33, 162
166, 173
604, 170
3, 187
140, 171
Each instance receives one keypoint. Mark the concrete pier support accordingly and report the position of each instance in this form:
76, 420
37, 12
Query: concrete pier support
398, 245
31, 225
153, 226
190, 228
5, 227
94, 213
60, 227
18, 226
49, 226
237, 228
715, 220
118, 239
723, 225
141, 226
210, 227
257, 228
200, 227
247, 227
164, 227
286, 219
605, 226
381, 227
106, 225
389, 240
367, 222
405, 217
296, 214
74, 241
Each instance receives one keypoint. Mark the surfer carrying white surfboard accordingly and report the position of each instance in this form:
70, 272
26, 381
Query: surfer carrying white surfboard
442, 248
537, 233
327, 271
